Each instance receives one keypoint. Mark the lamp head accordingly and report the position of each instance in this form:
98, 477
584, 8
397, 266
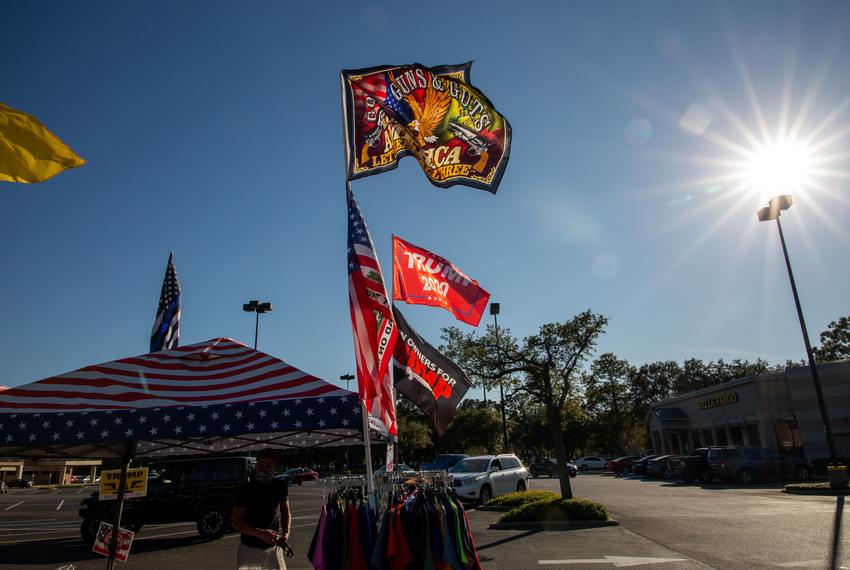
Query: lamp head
494, 308
776, 205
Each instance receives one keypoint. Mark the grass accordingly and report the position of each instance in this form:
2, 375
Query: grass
521, 498
575, 509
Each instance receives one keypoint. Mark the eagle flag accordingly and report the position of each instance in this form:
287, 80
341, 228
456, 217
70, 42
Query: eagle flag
372, 322
433, 114
28, 151
424, 278
425, 375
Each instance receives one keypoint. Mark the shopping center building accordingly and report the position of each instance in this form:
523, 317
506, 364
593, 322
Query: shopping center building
776, 410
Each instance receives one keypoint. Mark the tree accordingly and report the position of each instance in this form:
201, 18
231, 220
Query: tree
608, 400
548, 364
415, 433
475, 429
835, 341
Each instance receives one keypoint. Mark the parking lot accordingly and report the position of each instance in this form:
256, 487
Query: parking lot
663, 524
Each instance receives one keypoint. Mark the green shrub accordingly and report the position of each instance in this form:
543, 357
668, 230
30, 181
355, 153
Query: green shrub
575, 509
520, 498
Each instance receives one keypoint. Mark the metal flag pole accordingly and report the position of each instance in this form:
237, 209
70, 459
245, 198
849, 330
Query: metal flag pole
367, 447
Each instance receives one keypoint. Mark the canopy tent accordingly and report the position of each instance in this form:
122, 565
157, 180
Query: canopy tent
215, 396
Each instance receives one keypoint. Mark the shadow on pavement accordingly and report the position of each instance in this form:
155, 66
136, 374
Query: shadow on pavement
57, 551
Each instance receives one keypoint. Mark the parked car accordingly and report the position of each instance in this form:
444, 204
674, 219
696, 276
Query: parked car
692, 467
639, 466
19, 484
298, 475
658, 467
80, 479
621, 464
397, 468
748, 464
199, 490
549, 468
484, 477
589, 462
443, 461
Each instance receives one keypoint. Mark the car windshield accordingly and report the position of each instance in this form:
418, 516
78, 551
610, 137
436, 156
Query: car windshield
473, 465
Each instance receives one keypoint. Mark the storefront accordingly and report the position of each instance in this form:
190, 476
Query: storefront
778, 411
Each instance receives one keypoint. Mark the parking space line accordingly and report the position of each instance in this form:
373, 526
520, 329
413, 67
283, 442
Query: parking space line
13, 506
62, 502
167, 534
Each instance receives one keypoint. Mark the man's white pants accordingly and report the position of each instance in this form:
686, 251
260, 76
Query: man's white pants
249, 558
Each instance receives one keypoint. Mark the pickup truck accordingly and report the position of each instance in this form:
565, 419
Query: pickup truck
692, 467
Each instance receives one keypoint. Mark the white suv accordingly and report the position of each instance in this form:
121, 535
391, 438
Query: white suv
590, 462
486, 476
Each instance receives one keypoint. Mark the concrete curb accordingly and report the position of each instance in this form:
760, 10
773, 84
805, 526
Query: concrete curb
553, 525
822, 492
498, 509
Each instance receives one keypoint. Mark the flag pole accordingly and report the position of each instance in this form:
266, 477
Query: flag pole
367, 444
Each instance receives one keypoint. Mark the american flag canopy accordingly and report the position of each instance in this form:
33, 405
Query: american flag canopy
214, 396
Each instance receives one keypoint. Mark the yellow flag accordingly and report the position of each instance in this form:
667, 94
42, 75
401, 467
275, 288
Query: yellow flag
28, 151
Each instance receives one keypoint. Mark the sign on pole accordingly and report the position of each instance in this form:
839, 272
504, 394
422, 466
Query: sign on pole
137, 484
104, 535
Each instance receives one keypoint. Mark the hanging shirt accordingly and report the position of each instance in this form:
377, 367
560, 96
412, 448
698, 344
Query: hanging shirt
316, 554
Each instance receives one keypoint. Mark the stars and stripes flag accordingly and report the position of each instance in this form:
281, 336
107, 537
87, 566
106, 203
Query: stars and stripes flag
371, 315
212, 396
166, 329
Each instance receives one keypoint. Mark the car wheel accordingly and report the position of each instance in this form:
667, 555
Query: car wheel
705, 476
583, 467
626, 470
573, 473
89, 527
535, 474
485, 495
803, 473
745, 476
212, 521
521, 487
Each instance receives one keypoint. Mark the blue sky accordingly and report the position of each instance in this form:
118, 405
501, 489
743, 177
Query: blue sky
213, 130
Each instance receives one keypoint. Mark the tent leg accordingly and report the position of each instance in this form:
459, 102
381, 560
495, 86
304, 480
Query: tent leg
367, 446
119, 506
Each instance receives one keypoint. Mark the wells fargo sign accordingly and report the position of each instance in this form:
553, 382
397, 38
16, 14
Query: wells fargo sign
719, 400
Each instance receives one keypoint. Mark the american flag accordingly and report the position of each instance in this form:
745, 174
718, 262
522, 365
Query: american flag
166, 329
371, 316
213, 396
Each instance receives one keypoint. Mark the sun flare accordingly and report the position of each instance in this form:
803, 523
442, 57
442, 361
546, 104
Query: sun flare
782, 167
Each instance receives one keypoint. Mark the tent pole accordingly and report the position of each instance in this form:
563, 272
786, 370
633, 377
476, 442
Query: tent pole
367, 446
119, 506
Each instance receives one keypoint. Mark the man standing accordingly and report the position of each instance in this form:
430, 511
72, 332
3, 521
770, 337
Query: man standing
261, 514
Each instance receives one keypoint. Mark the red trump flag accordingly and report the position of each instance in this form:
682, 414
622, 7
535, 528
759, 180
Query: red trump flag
424, 278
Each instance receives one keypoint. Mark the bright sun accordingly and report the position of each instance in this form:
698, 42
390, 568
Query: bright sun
779, 167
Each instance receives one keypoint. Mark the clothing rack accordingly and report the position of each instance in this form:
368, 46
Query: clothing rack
337, 483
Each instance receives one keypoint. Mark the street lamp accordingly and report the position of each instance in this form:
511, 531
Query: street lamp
494, 310
772, 212
347, 377
259, 308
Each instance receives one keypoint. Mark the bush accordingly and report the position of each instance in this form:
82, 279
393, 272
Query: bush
521, 498
575, 509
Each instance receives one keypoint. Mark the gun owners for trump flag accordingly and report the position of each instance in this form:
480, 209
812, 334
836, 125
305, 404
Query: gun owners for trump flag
372, 322
424, 278
434, 114
426, 376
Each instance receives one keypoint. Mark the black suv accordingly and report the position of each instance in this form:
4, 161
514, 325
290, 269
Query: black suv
200, 490
748, 464
691, 467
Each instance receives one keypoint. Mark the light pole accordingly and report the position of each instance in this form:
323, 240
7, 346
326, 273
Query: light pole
259, 308
494, 310
347, 378
772, 212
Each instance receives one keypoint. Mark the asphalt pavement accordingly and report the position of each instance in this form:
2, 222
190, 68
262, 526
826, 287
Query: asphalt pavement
663, 525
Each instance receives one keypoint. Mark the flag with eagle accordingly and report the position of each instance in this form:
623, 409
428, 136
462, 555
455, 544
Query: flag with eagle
433, 114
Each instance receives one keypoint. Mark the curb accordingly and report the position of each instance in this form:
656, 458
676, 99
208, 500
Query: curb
822, 492
553, 525
498, 509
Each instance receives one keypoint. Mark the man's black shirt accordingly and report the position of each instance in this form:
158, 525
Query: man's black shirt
260, 501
